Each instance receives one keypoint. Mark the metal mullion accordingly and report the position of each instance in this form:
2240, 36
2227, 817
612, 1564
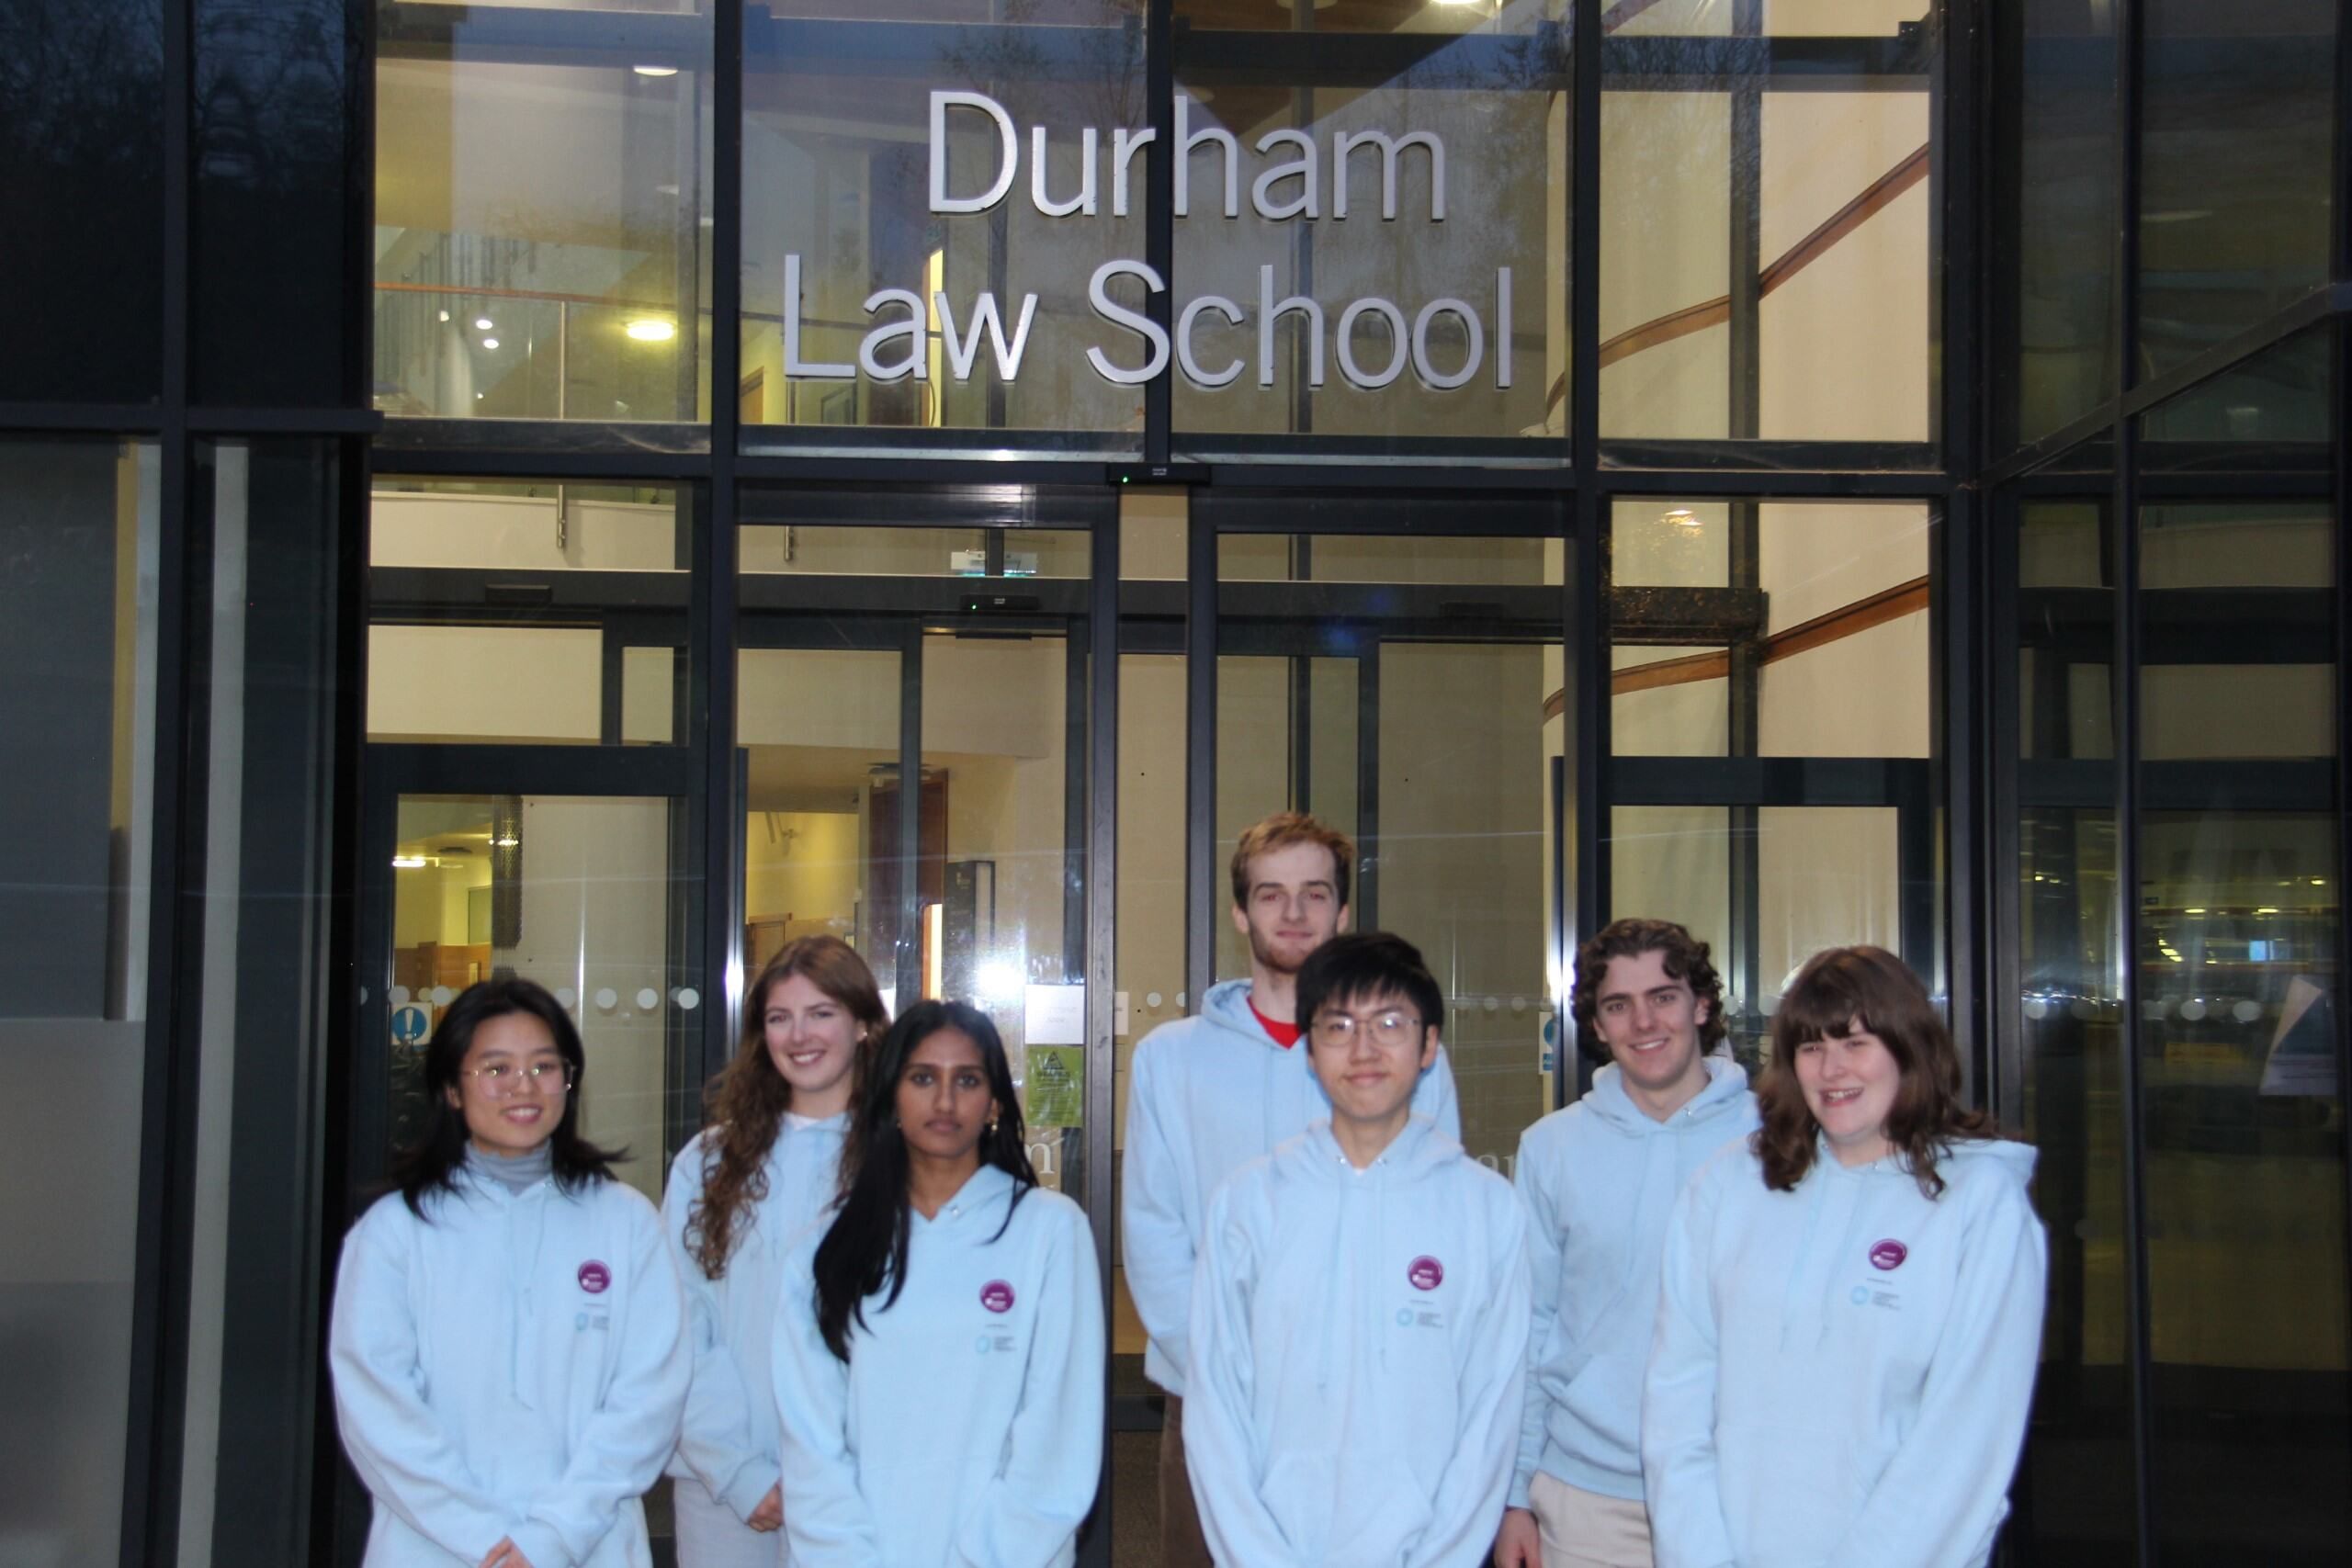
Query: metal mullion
909, 957
1201, 885
1584, 651
1959, 691
2340, 442
1746, 213
1957, 312
1102, 911
2124, 558
155, 1421
95, 418
1160, 218
1366, 899
714, 598
2003, 963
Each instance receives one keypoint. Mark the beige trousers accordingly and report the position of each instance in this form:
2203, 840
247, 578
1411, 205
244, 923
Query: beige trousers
1585, 1530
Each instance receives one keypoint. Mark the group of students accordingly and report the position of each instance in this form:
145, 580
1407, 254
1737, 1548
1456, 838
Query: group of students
1703, 1326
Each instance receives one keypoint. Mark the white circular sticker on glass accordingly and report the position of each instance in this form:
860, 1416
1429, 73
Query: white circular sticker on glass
607, 998
689, 999
647, 998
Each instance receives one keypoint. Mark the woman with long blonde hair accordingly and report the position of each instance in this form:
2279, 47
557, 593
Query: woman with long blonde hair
767, 1167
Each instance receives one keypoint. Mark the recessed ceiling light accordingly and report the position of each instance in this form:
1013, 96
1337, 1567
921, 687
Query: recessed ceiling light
652, 331
489, 342
483, 324
655, 70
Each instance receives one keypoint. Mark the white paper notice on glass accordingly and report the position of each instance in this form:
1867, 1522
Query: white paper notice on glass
1054, 1015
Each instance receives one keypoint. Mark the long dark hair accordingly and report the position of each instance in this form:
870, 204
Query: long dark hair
746, 1102
429, 1165
864, 1253
1839, 990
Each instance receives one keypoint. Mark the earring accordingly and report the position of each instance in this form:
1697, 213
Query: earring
992, 1121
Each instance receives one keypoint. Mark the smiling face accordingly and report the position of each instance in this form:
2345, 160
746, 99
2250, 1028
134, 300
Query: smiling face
1850, 1083
944, 1098
1368, 1054
812, 1038
508, 1110
1650, 1023
1293, 906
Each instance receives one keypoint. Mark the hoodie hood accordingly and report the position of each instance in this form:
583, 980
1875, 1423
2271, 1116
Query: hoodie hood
1417, 1151
1722, 1097
1227, 1005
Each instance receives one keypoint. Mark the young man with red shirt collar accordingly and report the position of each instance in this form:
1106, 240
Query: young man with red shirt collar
1209, 1093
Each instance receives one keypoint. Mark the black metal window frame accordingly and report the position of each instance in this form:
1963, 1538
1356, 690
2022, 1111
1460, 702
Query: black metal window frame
1967, 485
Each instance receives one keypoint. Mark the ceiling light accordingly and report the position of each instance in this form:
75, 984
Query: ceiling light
650, 331
445, 315
507, 843
1682, 517
489, 342
655, 70
408, 862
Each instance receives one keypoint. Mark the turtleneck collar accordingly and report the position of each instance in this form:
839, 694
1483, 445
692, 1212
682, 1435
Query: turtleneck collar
518, 1173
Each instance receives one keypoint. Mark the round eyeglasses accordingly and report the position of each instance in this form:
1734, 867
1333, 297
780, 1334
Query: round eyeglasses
1390, 1026
500, 1081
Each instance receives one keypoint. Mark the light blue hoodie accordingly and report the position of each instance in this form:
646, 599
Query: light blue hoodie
1360, 1347
1599, 1180
729, 1442
966, 1430
1206, 1095
1841, 1374
511, 1365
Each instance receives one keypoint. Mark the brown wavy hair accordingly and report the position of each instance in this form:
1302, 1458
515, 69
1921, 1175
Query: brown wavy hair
1841, 990
1281, 831
745, 1102
1686, 958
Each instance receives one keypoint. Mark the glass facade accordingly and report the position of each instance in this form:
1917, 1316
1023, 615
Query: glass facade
934, 472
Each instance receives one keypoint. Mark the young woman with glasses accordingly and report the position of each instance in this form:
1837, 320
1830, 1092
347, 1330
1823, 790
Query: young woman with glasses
941, 1388
764, 1171
507, 1345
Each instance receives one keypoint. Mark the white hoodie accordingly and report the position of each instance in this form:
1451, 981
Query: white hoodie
1205, 1095
966, 1430
728, 1439
1841, 1374
511, 1364
1359, 1348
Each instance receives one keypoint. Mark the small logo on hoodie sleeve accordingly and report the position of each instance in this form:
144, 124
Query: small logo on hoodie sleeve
1425, 1273
1888, 1255
595, 1278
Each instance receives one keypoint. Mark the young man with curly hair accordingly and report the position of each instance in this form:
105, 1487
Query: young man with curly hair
1599, 1180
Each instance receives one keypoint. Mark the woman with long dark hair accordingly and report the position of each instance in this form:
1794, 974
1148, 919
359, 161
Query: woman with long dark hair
1853, 1300
766, 1165
941, 1387
507, 1346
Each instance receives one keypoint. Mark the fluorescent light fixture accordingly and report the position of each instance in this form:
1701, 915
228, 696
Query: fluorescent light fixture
1681, 516
650, 331
935, 926
408, 862
655, 70
507, 843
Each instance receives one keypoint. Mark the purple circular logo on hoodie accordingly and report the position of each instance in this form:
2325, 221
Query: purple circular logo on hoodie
1888, 1254
1425, 1273
595, 1278
997, 1296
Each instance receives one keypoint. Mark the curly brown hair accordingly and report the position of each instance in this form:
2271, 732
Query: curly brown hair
1687, 959
1839, 991
745, 1102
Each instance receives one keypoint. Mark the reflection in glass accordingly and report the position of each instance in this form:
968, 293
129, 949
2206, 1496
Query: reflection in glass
575, 892
541, 213
2063, 181
1339, 693
2240, 926
1741, 628
2235, 152
990, 297
82, 158
530, 611
1757, 226
78, 655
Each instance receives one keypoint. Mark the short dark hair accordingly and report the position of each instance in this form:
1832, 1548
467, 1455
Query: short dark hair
428, 1163
1685, 959
1282, 830
1367, 964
